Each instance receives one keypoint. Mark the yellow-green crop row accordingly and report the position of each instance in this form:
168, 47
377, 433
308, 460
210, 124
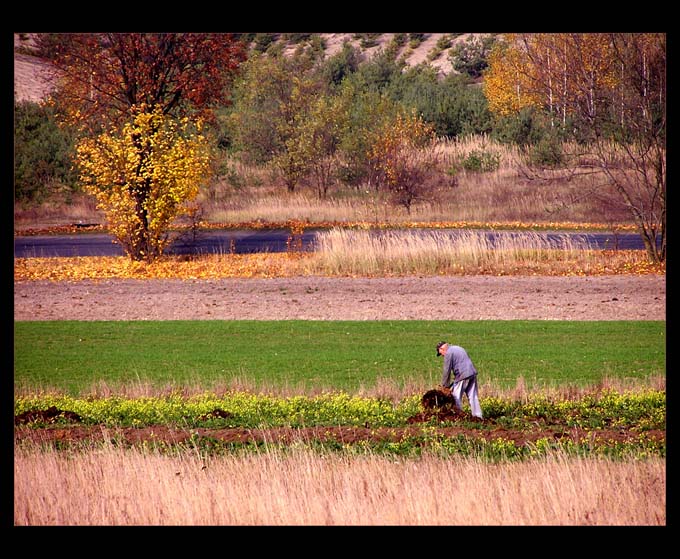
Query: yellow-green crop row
642, 410
242, 410
497, 449
645, 409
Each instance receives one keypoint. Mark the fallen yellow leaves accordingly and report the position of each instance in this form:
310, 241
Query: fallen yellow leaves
298, 226
175, 267
62, 229
270, 265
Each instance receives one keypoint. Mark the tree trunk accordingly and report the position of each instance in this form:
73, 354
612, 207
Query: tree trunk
649, 239
550, 91
140, 248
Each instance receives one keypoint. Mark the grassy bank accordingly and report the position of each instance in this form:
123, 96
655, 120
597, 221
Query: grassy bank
511, 191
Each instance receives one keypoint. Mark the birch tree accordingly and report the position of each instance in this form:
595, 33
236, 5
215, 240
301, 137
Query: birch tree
612, 100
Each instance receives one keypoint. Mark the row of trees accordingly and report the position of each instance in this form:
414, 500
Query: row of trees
331, 121
313, 117
146, 109
606, 91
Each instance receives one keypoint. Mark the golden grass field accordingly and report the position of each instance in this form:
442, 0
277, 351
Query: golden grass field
114, 486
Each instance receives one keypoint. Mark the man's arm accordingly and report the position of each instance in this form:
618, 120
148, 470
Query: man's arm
446, 370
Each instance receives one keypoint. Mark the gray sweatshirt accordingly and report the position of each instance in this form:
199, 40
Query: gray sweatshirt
456, 361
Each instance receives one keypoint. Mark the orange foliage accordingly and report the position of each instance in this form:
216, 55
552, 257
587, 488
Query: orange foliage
558, 71
167, 267
297, 227
288, 264
104, 74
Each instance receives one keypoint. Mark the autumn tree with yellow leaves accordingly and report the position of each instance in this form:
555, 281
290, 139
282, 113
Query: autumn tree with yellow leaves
142, 177
138, 102
608, 92
564, 73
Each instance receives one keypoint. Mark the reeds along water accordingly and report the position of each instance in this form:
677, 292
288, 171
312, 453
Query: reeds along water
369, 252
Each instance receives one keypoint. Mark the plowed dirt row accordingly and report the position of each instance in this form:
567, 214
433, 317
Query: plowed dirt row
612, 297
338, 434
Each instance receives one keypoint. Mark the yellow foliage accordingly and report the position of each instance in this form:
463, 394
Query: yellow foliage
297, 227
552, 70
297, 264
166, 267
507, 85
143, 175
406, 132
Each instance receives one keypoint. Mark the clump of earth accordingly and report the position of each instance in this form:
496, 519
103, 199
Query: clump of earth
50, 415
439, 406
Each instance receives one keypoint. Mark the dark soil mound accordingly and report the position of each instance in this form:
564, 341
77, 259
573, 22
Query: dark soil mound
216, 413
50, 415
440, 406
435, 399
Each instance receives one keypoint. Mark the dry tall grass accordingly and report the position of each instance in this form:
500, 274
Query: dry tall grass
113, 486
343, 251
508, 193
385, 388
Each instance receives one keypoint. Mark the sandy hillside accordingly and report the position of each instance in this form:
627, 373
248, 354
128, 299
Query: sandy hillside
32, 76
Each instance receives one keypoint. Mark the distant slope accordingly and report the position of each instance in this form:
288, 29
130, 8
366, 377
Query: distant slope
412, 56
33, 78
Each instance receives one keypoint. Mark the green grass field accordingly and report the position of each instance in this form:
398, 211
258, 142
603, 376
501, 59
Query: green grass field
73, 356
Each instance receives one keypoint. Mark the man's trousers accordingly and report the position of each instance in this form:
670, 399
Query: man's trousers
469, 387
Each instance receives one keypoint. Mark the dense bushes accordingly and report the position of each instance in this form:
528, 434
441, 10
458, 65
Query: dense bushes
42, 154
319, 120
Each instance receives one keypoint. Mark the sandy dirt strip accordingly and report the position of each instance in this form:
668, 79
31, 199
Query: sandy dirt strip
321, 298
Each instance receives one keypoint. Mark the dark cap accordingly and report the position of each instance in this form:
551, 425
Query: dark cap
440, 344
